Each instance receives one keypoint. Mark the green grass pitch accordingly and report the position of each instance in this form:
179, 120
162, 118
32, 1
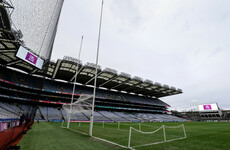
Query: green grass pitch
200, 135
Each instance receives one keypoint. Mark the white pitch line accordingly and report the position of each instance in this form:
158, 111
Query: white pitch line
159, 142
100, 139
112, 143
76, 131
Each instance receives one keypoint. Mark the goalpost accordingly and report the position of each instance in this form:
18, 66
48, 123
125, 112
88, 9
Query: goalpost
70, 107
95, 79
164, 140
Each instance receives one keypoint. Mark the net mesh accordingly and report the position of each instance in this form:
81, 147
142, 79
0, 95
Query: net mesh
83, 104
37, 20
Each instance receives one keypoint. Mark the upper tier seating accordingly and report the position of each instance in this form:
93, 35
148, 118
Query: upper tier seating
52, 85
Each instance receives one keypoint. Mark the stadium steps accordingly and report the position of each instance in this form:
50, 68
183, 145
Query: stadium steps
40, 112
38, 115
63, 118
139, 118
134, 118
86, 116
3, 107
20, 108
126, 119
105, 116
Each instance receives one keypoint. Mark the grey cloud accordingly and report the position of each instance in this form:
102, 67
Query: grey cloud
181, 43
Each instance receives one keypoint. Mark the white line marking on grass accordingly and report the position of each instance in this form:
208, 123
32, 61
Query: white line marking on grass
111, 128
159, 142
45, 129
112, 143
76, 131
129, 124
100, 139
150, 126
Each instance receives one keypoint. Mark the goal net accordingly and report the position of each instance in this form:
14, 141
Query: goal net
138, 138
82, 105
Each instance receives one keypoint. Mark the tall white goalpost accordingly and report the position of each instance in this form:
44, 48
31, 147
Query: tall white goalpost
95, 80
75, 78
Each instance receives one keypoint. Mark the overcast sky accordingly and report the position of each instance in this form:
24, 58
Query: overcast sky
181, 43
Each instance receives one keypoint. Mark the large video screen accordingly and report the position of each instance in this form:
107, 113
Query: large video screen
208, 107
29, 57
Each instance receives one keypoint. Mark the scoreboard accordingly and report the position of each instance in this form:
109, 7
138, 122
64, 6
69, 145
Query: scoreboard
29, 57
208, 107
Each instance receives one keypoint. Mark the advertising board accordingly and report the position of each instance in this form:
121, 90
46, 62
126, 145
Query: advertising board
3, 126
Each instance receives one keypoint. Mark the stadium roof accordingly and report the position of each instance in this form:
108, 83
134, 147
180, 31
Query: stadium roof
65, 69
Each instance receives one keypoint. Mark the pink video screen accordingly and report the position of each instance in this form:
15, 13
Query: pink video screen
207, 107
31, 58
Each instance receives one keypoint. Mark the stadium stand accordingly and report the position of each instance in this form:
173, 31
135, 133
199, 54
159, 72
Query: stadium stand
98, 116
56, 92
75, 117
126, 116
50, 113
112, 116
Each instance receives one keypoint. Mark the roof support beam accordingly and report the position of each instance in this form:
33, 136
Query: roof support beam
129, 87
8, 50
56, 68
4, 45
141, 89
33, 71
92, 78
108, 81
3, 54
14, 62
75, 74
123, 82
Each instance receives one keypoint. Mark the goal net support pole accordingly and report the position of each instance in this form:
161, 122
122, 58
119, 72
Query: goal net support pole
184, 130
164, 133
130, 133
